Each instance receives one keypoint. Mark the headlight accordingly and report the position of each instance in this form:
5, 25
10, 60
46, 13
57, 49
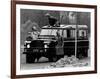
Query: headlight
28, 46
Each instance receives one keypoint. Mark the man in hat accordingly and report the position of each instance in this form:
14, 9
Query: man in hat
34, 33
52, 20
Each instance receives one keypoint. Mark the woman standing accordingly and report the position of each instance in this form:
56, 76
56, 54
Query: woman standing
59, 47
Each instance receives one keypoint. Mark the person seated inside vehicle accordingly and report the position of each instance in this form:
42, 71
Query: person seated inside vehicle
82, 35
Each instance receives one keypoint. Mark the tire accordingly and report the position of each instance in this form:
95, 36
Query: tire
30, 58
50, 59
54, 59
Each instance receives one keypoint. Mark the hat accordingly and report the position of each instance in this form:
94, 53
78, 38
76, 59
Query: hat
34, 28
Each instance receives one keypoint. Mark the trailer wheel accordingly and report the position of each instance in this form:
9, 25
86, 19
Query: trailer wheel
50, 59
54, 59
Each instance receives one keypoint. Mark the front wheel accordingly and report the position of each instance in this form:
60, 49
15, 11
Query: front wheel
30, 58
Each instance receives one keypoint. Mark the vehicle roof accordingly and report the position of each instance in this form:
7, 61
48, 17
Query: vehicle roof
66, 27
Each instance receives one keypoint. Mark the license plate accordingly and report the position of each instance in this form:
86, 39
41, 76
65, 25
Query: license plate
35, 50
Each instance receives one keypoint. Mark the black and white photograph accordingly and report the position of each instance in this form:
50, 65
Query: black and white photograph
53, 39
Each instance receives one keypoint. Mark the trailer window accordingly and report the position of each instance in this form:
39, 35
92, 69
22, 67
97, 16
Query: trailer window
82, 33
68, 33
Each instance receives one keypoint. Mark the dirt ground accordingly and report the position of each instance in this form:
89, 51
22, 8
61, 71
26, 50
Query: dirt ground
44, 64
